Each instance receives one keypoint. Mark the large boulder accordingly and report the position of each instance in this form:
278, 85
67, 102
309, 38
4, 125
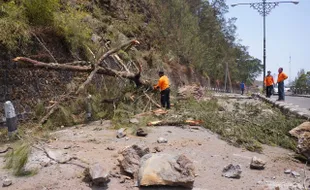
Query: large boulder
166, 169
302, 132
130, 160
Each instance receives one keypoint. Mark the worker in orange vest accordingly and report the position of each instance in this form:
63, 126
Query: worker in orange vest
269, 82
163, 85
281, 77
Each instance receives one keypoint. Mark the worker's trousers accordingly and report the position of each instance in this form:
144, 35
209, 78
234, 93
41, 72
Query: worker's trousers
165, 98
269, 91
281, 90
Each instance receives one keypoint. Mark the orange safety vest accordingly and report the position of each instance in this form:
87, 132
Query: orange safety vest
282, 76
269, 80
163, 83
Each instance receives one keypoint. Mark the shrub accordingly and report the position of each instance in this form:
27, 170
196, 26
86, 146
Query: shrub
72, 24
13, 26
41, 12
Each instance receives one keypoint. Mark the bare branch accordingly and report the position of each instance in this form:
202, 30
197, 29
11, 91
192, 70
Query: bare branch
48, 51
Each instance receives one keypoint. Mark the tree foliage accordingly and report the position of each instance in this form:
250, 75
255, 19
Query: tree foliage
303, 79
193, 33
200, 35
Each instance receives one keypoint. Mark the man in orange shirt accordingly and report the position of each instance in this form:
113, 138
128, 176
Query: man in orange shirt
163, 85
281, 77
269, 84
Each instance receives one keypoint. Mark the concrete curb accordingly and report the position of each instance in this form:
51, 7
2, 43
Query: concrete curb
286, 108
303, 96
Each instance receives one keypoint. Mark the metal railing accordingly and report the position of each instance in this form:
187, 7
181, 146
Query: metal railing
301, 91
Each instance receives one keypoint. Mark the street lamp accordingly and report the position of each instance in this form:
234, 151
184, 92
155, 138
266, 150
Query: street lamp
264, 8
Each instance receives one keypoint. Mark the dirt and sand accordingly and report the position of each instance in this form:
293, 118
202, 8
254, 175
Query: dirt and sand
210, 154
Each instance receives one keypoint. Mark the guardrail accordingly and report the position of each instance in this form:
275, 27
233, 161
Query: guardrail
301, 91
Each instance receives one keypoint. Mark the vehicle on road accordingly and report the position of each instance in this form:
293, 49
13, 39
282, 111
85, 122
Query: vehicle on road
275, 90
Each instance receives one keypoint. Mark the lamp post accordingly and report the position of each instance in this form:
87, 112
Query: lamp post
264, 8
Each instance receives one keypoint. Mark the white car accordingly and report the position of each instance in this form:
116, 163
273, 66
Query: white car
275, 90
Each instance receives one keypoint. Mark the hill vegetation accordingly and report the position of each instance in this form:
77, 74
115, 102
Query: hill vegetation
192, 40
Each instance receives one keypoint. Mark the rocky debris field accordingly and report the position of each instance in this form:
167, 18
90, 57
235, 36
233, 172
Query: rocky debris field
171, 149
192, 156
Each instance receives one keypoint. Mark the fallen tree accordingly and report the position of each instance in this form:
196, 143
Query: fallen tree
95, 68
99, 67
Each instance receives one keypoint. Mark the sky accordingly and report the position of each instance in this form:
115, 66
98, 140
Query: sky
287, 34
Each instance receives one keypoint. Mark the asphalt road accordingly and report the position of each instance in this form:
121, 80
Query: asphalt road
299, 101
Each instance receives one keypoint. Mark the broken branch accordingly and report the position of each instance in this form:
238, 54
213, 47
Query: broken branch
153, 101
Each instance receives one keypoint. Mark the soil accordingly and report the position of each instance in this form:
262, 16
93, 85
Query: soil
97, 142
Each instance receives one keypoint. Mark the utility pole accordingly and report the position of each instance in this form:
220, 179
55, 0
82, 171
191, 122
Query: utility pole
264, 8
290, 74
226, 72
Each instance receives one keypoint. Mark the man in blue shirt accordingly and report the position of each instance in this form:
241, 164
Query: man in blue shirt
242, 86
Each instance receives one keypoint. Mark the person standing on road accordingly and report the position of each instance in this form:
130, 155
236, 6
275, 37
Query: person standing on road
242, 87
269, 82
281, 77
163, 85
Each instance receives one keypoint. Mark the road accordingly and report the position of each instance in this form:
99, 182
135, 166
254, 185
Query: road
301, 102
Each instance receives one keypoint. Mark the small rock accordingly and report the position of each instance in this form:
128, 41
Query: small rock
68, 147
288, 171
110, 148
141, 133
277, 188
62, 126
46, 163
169, 131
126, 138
115, 175
7, 182
123, 179
97, 175
121, 133
232, 171
274, 177
162, 140
134, 120
158, 149
194, 127
295, 174
257, 163
199, 144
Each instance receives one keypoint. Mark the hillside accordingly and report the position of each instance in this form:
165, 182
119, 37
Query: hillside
191, 40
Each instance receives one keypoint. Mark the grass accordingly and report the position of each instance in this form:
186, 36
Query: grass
248, 125
17, 159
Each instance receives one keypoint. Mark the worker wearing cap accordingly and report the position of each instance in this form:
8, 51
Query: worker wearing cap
281, 78
269, 82
163, 85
